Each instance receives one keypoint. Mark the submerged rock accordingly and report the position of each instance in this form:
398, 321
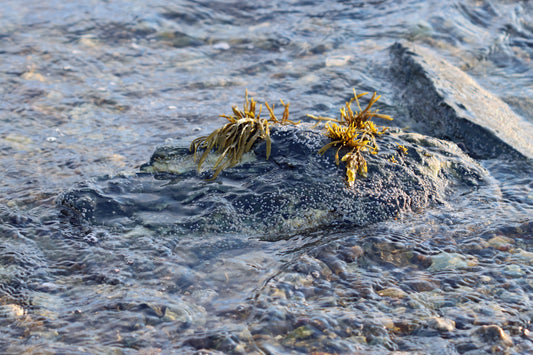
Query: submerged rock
295, 189
493, 334
445, 102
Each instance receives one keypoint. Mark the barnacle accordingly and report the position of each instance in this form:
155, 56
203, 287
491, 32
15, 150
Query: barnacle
238, 136
356, 131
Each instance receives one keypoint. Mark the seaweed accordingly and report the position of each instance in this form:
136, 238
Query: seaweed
356, 131
402, 149
245, 127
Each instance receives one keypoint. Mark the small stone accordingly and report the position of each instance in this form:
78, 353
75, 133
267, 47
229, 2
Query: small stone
302, 332
350, 254
387, 322
448, 261
13, 310
16, 141
485, 278
513, 270
358, 339
493, 334
441, 324
524, 256
338, 60
393, 292
383, 341
158, 310
501, 243
48, 287
421, 285
31, 75
431, 299
89, 42
204, 296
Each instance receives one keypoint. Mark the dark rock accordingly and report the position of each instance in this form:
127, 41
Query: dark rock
295, 189
445, 102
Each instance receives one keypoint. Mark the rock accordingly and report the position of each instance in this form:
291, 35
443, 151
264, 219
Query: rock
524, 256
513, 270
12, 311
295, 189
501, 243
301, 332
441, 324
493, 334
393, 292
445, 102
448, 261
421, 285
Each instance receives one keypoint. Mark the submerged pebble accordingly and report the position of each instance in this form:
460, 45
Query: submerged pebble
448, 261
442, 324
493, 334
12, 311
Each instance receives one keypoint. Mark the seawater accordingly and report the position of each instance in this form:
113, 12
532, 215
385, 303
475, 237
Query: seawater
90, 89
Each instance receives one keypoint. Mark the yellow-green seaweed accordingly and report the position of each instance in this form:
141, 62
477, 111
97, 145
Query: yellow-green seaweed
238, 136
354, 130
401, 149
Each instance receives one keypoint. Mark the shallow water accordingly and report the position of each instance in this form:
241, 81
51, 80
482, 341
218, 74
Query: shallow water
91, 89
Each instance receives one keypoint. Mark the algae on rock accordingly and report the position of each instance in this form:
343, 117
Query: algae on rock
356, 131
295, 190
238, 136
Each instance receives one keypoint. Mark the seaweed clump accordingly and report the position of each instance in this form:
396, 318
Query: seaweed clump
238, 136
356, 131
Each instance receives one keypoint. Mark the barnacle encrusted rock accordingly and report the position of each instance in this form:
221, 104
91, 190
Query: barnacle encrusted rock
295, 189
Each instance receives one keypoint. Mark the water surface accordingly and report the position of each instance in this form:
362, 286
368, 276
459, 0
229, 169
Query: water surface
91, 89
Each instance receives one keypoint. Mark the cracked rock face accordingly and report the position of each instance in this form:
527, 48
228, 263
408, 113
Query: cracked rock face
296, 189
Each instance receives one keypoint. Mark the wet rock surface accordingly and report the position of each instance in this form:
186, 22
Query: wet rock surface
445, 102
295, 189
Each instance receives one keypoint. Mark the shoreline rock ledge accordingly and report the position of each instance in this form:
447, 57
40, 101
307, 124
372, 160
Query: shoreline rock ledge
295, 190
445, 102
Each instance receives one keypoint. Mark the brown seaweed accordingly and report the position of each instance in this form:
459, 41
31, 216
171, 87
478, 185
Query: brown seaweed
356, 131
237, 137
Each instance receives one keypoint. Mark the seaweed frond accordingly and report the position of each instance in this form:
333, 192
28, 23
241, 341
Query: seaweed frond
356, 131
284, 117
361, 119
401, 149
356, 141
245, 127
